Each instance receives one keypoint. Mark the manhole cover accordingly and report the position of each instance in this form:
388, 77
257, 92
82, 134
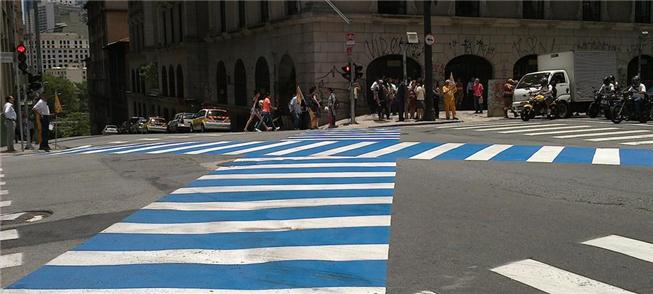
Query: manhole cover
25, 217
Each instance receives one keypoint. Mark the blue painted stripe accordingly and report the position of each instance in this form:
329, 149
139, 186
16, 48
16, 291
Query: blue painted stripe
462, 152
272, 275
367, 149
339, 143
306, 170
517, 153
313, 160
289, 181
227, 241
576, 155
161, 216
274, 195
636, 157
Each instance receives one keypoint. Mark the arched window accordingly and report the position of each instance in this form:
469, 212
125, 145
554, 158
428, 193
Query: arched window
524, 65
262, 75
286, 82
240, 83
171, 81
164, 81
180, 81
221, 83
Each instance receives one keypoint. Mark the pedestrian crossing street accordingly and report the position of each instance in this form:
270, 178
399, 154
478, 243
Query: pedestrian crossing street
581, 130
552, 279
375, 134
260, 225
383, 149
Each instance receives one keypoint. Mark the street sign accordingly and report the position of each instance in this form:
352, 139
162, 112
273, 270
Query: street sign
6, 57
429, 39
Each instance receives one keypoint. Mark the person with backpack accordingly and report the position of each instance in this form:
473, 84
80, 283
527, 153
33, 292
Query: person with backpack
332, 107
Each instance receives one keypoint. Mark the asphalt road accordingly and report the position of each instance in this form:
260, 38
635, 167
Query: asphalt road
452, 221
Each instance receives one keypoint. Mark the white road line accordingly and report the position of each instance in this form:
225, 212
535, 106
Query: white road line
3, 183
8, 235
343, 149
488, 152
258, 148
152, 147
225, 257
5, 203
109, 149
601, 134
149, 139
4, 192
544, 129
493, 125
11, 260
298, 158
267, 204
12, 216
250, 226
631, 247
201, 151
437, 151
388, 150
308, 165
118, 142
546, 154
621, 138
300, 148
570, 131
2, 176
72, 150
188, 147
180, 137
638, 143
606, 156
550, 279
223, 189
325, 290
298, 175
514, 128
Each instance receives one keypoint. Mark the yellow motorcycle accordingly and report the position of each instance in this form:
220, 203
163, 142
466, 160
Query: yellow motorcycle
537, 105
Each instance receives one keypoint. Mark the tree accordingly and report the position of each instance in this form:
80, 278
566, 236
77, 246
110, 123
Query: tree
82, 96
67, 91
74, 97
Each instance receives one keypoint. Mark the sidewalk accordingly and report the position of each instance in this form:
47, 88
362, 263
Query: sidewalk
370, 120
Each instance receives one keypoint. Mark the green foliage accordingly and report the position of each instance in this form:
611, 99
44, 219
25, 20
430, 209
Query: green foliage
74, 121
68, 92
151, 75
73, 124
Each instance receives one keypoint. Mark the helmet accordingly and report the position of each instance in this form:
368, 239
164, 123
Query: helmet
606, 80
612, 78
544, 82
636, 80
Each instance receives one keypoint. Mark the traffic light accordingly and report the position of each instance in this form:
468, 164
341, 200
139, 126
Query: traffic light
358, 72
22, 58
346, 72
35, 82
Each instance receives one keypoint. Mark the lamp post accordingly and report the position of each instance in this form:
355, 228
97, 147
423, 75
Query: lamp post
642, 36
431, 111
411, 38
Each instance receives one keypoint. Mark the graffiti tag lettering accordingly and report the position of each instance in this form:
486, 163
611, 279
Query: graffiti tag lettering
475, 47
380, 46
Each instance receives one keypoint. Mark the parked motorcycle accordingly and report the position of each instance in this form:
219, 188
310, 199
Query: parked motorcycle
624, 108
536, 105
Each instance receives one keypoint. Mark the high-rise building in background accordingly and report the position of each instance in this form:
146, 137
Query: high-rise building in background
55, 16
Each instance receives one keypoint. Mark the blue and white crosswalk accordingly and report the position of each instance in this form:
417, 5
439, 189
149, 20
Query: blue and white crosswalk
261, 225
385, 149
350, 134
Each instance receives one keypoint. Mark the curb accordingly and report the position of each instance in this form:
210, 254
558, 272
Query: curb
418, 123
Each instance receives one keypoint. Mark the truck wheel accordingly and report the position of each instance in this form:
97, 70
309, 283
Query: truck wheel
616, 114
593, 110
562, 110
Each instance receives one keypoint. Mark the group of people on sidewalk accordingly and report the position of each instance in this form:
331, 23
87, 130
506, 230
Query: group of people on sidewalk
42, 114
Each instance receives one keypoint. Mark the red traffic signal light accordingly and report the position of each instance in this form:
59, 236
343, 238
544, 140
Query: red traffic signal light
21, 48
346, 72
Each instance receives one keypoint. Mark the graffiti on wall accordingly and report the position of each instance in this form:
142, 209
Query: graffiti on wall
380, 46
596, 45
474, 47
534, 45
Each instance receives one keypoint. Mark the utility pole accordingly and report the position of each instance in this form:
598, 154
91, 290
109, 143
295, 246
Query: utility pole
429, 113
352, 101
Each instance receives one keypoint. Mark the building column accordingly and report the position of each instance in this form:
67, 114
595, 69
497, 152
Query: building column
632, 11
520, 8
605, 14
452, 8
579, 14
482, 8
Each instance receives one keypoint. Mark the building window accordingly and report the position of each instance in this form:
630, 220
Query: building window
172, 26
164, 81
165, 29
643, 11
181, 21
223, 17
467, 8
292, 7
265, 11
592, 10
180, 82
533, 9
171, 81
391, 7
241, 14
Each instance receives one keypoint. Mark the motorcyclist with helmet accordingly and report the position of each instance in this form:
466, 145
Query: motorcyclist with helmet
549, 91
639, 90
614, 82
608, 86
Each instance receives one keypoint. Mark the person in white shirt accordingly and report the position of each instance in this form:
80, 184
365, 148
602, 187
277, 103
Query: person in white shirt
9, 115
639, 90
43, 117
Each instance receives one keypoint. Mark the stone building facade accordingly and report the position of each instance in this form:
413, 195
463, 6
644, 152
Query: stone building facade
227, 49
11, 33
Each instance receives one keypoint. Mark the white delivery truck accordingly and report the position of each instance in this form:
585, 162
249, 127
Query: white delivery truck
576, 73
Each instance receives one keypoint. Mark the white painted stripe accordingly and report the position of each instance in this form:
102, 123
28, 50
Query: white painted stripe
601, 134
250, 226
606, 156
308, 165
484, 126
2, 176
267, 204
514, 128
188, 147
258, 148
8, 235
3, 183
544, 129
631, 247
621, 138
223, 189
388, 150
12, 216
328, 290
4, 192
300, 148
343, 149
298, 158
546, 154
11, 260
638, 143
437, 151
180, 136
120, 147
151, 147
5, 203
72, 150
224, 257
118, 142
298, 175
570, 131
488, 152
342, 138
550, 279
201, 151
149, 139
